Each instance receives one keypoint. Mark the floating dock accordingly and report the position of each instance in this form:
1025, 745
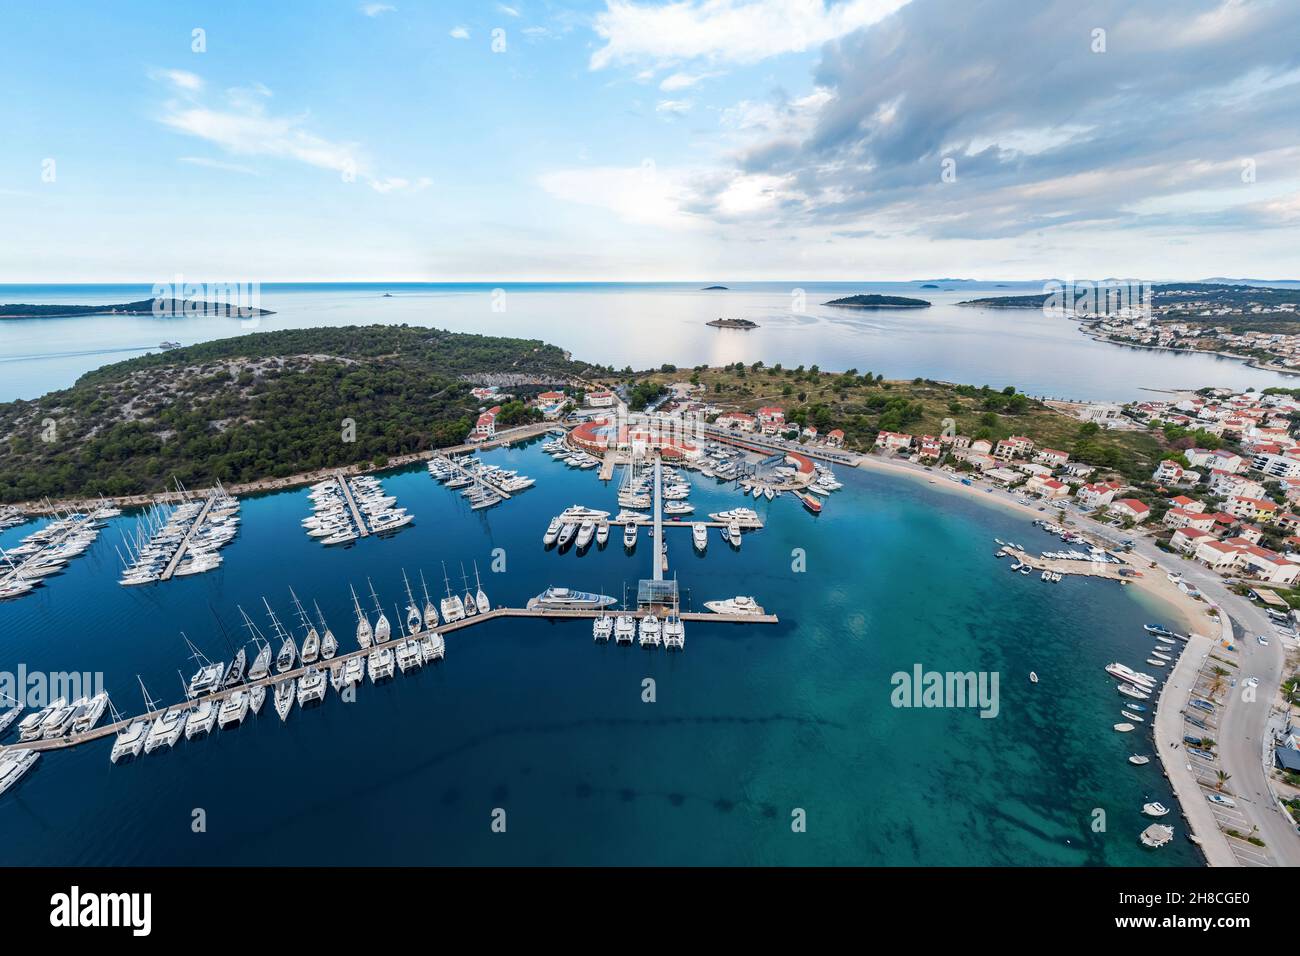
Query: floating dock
108, 730
465, 472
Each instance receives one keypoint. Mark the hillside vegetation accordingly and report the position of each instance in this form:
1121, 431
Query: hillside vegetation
260, 406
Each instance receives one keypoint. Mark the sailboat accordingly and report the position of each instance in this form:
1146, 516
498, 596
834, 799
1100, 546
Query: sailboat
329, 643
468, 601
382, 628
288, 653
262, 663
430, 612
452, 608
480, 598
414, 618
310, 642
365, 636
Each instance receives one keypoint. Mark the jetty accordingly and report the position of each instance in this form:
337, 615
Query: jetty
474, 477
217, 697
183, 548
363, 527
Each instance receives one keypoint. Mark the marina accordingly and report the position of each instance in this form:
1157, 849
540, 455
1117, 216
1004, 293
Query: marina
517, 669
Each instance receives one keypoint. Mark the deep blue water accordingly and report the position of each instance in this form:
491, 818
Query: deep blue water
750, 722
645, 325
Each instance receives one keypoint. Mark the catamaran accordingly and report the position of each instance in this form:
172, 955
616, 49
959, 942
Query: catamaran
130, 739
167, 729
452, 608
602, 627
650, 631
208, 677
311, 686
201, 720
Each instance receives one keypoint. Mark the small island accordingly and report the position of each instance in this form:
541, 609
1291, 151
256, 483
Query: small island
714, 288
169, 307
929, 285
732, 324
878, 302
1009, 302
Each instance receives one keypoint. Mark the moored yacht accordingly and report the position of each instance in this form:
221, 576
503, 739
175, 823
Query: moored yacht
624, 629
737, 605
650, 631
700, 536
201, 720
564, 598
311, 686
130, 740
166, 730
233, 709
629, 535
552, 532
284, 695
14, 765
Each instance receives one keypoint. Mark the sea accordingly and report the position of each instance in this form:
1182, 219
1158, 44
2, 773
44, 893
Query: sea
644, 325
531, 744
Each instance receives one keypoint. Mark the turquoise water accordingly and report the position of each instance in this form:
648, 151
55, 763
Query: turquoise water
750, 722
646, 325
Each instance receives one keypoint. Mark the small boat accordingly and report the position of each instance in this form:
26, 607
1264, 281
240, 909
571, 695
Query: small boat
1156, 835
1033, 677
1165, 640
1155, 809
1157, 629
89, 716
1156, 662
1139, 760
1123, 728
768, 493
1127, 716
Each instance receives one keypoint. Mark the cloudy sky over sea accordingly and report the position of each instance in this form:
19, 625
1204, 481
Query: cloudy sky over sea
629, 140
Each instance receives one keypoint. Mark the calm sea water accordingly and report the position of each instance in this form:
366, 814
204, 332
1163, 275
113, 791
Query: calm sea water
750, 722
646, 325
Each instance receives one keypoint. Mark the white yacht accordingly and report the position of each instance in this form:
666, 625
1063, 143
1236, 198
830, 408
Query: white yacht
737, 605
552, 532
480, 598
432, 647
414, 615
256, 698
453, 609
166, 730
601, 628
60, 721
9, 716
364, 632
700, 535
1157, 835
430, 612
624, 629
564, 598
130, 740
674, 632
586, 532
284, 694
580, 513
329, 644
380, 664
383, 630
602, 534
14, 765
30, 726
201, 720
629, 535
233, 709
733, 534
311, 686
650, 631
1155, 809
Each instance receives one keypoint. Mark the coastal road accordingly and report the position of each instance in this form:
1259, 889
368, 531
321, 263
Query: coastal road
1243, 743
1243, 724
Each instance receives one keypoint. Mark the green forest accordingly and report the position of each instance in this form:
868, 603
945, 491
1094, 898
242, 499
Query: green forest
257, 406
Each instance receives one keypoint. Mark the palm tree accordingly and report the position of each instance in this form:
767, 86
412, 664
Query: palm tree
1222, 779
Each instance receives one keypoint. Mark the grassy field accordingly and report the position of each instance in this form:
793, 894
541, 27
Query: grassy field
862, 404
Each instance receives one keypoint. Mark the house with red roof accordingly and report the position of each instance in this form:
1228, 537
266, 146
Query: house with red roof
1014, 447
1129, 509
1097, 495
1051, 457
1182, 518
1187, 539
486, 426
835, 437
893, 441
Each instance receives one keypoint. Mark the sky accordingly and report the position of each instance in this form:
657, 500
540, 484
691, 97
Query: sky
638, 140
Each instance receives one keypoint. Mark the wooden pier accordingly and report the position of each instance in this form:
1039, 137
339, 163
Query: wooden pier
184, 546
217, 697
363, 527
607, 466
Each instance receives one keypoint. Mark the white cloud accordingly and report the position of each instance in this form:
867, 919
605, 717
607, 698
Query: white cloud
508, 11
730, 31
643, 195
208, 163
681, 81
459, 33
242, 126
673, 107
183, 80
376, 9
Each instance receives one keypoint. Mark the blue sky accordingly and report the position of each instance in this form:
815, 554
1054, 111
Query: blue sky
763, 139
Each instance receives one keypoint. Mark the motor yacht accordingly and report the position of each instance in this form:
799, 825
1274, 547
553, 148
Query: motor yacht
563, 598
737, 605
14, 766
